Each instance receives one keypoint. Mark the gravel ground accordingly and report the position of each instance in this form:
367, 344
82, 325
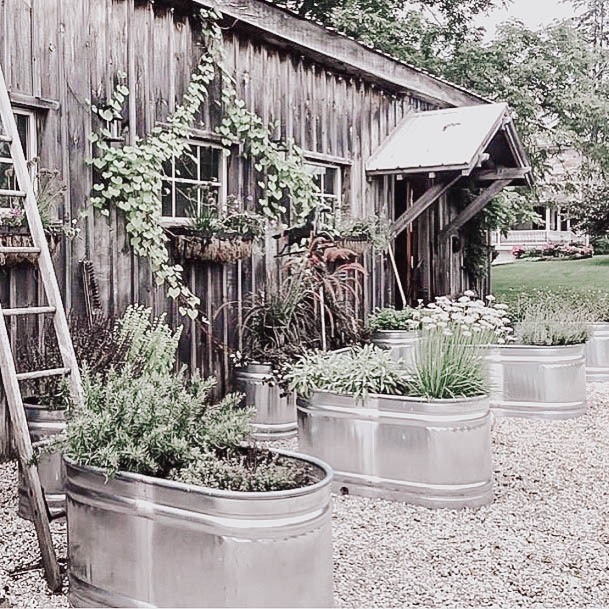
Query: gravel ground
544, 542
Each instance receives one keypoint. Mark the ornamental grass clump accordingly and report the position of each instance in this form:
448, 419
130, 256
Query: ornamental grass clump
144, 418
448, 364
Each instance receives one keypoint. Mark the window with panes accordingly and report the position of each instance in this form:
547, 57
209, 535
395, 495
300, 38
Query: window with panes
194, 180
329, 181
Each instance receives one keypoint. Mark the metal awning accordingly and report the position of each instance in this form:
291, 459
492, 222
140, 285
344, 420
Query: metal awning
454, 139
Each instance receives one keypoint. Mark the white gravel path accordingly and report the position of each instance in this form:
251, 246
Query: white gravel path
544, 542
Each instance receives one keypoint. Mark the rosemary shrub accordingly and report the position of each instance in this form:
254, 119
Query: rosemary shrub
146, 419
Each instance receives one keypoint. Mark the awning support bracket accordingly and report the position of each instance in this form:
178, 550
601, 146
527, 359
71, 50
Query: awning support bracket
432, 194
475, 207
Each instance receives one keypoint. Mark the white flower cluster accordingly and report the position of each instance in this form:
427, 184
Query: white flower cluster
485, 320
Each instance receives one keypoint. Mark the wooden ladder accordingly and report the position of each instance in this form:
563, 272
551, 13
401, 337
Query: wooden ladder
24, 192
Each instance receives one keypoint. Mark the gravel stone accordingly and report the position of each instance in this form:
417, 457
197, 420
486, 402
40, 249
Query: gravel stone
544, 542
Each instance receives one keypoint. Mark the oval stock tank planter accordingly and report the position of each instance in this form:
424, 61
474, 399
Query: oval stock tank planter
436, 454
538, 382
597, 353
138, 541
401, 343
275, 417
43, 424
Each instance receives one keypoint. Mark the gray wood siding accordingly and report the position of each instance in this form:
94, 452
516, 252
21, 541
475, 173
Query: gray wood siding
71, 50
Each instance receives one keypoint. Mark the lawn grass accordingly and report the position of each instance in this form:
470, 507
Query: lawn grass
524, 276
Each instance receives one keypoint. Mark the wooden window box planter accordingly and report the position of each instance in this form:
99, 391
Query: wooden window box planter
11, 236
221, 247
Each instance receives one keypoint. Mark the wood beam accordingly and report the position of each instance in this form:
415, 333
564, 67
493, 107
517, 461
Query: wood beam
501, 173
475, 207
284, 28
431, 195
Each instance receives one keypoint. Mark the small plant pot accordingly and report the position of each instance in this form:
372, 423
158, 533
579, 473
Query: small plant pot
538, 382
358, 244
597, 353
275, 417
223, 248
44, 424
401, 343
431, 453
138, 541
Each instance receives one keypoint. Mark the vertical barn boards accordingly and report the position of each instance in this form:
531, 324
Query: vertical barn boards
338, 99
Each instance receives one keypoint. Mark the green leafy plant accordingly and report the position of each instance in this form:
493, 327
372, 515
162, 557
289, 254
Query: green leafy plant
360, 371
389, 318
131, 175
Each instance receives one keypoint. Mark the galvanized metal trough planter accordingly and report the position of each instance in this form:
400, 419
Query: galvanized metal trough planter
597, 353
436, 454
538, 382
137, 541
43, 424
401, 343
275, 417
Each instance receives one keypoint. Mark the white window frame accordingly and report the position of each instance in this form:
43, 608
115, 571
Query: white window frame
221, 184
338, 186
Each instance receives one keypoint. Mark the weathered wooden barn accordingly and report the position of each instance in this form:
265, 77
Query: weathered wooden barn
387, 138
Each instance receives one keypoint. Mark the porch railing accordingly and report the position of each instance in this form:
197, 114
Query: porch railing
532, 237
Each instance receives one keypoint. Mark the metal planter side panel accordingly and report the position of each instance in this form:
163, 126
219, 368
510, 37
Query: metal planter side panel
597, 354
401, 343
539, 382
44, 424
136, 541
431, 454
275, 417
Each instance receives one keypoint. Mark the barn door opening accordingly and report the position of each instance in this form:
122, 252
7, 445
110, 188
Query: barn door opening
407, 242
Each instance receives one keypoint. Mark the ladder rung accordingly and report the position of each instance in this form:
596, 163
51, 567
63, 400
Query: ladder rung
38, 374
29, 311
12, 193
6, 138
6, 160
19, 250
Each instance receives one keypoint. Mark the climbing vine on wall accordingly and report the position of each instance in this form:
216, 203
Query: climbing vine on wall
131, 175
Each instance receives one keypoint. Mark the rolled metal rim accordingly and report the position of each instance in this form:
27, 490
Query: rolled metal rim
326, 480
376, 406
395, 334
516, 346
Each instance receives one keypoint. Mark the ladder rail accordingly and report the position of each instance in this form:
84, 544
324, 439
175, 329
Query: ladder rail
45, 262
25, 451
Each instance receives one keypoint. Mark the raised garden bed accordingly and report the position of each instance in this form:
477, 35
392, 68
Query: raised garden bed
433, 453
597, 353
136, 541
275, 416
543, 382
45, 423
